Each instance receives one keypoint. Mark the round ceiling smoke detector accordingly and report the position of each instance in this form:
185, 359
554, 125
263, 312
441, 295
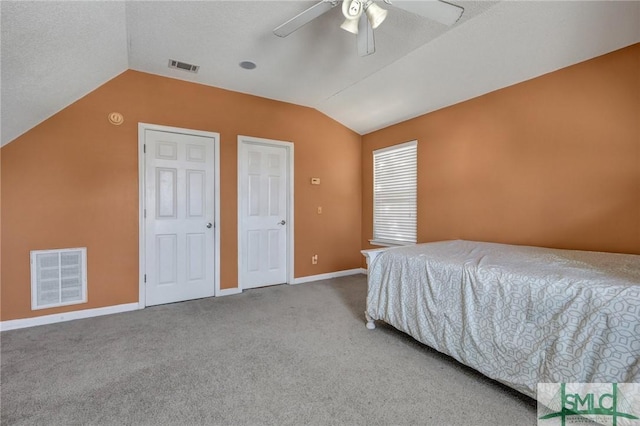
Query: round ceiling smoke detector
247, 65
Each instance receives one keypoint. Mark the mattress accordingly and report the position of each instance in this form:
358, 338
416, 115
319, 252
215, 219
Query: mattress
518, 314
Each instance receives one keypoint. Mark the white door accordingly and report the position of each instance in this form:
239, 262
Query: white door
263, 176
179, 217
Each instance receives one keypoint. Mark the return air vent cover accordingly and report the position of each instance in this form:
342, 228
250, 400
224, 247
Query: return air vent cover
58, 277
183, 66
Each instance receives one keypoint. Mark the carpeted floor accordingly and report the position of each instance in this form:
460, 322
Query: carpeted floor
296, 355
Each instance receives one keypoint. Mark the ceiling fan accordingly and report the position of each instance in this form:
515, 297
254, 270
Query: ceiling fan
363, 16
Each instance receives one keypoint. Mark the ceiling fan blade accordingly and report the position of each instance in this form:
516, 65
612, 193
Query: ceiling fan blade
366, 42
305, 17
440, 11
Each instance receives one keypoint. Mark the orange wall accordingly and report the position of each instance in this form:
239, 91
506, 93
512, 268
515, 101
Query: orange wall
554, 161
0, 227
73, 181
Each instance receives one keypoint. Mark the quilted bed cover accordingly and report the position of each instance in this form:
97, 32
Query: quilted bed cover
518, 314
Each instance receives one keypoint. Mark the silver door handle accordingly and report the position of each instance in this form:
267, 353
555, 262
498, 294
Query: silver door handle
209, 225
282, 222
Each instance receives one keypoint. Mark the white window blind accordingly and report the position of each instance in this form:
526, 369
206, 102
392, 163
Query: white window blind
395, 175
58, 277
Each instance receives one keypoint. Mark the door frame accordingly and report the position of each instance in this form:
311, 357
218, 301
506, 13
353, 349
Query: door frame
250, 140
142, 127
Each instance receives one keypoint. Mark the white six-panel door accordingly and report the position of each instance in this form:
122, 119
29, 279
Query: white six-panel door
179, 217
263, 192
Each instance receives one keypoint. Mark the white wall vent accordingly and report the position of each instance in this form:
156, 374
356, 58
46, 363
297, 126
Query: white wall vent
183, 66
58, 277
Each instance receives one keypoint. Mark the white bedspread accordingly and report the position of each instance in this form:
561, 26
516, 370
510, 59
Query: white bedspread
520, 315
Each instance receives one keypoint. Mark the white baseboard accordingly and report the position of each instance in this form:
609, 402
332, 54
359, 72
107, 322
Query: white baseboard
228, 291
66, 316
329, 275
108, 310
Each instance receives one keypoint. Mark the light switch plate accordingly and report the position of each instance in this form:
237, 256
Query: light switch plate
315, 181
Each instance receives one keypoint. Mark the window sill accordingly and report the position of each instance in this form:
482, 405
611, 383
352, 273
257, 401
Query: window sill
384, 243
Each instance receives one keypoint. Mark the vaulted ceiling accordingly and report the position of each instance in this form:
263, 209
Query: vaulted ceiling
53, 53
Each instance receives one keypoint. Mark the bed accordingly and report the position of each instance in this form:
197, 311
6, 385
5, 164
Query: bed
518, 314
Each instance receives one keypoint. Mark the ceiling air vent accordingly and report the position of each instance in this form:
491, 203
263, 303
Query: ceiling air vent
183, 66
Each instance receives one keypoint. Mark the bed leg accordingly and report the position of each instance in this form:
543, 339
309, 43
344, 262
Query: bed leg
370, 323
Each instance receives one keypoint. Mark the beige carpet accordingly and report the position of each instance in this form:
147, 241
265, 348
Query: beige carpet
284, 355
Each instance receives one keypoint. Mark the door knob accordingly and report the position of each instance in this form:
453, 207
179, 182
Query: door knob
282, 222
209, 225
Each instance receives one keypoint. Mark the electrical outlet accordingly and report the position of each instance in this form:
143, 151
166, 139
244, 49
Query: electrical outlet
314, 259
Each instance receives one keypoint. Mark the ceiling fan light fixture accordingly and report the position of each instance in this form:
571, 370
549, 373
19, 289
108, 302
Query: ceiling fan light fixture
350, 25
352, 10
375, 14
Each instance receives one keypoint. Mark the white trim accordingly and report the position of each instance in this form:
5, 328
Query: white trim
142, 127
141, 225
329, 275
229, 291
289, 146
409, 144
388, 243
216, 213
66, 316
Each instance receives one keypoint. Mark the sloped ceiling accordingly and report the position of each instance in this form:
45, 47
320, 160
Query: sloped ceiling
53, 53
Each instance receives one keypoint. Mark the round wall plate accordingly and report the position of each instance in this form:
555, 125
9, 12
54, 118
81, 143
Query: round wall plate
116, 118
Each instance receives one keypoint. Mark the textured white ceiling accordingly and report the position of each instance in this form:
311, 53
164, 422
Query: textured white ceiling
55, 52
512, 42
305, 68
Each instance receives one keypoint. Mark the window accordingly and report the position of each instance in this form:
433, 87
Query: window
395, 175
58, 277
